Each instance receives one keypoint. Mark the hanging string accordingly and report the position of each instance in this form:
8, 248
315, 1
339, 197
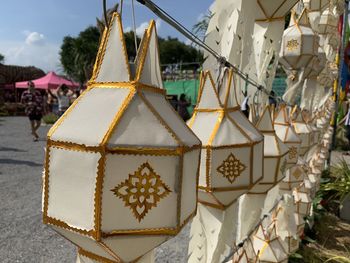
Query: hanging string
188, 34
134, 24
105, 13
121, 8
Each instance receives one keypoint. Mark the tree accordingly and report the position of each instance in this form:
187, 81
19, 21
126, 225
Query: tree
2, 58
78, 54
200, 28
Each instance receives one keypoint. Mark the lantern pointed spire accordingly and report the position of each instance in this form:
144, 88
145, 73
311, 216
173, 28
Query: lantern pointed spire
265, 122
208, 98
227, 92
112, 60
148, 68
303, 19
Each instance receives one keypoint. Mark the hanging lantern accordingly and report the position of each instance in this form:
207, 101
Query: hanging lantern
121, 166
274, 10
267, 245
240, 256
294, 176
328, 22
287, 135
299, 43
315, 8
304, 132
232, 152
302, 200
275, 155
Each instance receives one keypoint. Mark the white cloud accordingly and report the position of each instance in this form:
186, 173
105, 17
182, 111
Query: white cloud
143, 26
34, 50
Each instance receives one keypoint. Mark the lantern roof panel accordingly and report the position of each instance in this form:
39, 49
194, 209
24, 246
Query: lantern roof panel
112, 61
140, 126
208, 97
276, 8
96, 105
203, 124
148, 69
265, 122
246, 126
227, 92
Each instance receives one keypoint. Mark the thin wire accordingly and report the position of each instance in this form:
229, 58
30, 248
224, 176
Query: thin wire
121, 8
134, 24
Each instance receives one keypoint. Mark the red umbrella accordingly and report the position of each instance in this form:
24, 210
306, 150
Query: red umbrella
50, 81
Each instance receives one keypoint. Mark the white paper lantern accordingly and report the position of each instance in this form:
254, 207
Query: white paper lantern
299, 43
316, 5
328, 22
287, 135
294, 177
304, 131
275, 155
302, 200
232, 151
240, 256
267, 245
121, 166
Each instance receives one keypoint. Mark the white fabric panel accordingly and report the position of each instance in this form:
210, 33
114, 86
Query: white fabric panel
89, 121
228, 197
208, 97
278, 250
258, 153
219, 156
265, 122
229, 134
244, 123
205, 197
139, 126
270, 145
260, 188
203, 169
129, 248
269, 170
84, 242
114, 67
116, 215
189, 184
72, 181
172, 118
204, 124
151, 72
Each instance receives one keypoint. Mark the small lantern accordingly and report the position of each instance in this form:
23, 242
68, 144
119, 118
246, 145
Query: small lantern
121, 166
274, 10
300, 223
302, 200
240, 256
232, 152
287, 135
315, 8
304, 132
268, 246
299, 43
328, 22
294, 176
275, 155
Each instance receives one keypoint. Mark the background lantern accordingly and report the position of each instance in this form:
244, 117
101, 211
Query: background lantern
304, 132
275, 155
287, 135
232, 151
299, 43
274, 10
113, 184
328, 22
294, 176
315, 8
302, 200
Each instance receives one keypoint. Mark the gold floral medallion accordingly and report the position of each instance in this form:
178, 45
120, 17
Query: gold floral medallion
297, 173
231, 168
292, 44
293, 152
142, 190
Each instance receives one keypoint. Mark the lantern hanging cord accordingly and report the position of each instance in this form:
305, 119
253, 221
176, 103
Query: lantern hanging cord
240, 244
134, 24
188, 34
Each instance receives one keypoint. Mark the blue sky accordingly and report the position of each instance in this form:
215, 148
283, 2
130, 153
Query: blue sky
31, 31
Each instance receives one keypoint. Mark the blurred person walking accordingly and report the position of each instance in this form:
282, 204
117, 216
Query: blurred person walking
63, 98
33, 102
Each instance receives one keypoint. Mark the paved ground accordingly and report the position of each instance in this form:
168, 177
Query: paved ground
23, 237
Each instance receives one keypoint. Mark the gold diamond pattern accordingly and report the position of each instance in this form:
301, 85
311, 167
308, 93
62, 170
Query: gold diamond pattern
292, 44
297, 173
142, 191
293, 152
231, 168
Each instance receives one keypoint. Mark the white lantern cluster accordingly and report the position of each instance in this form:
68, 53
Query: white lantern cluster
232, 151
121, 166
328, 22
304, 132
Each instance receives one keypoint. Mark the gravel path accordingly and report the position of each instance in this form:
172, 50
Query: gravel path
23, 237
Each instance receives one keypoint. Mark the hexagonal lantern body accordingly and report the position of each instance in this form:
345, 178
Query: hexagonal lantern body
299, 43
275, 155
302, 201
121, 166
328, 22
286, 133
304, 132
294, 177
273, 10
268, 245
232, 151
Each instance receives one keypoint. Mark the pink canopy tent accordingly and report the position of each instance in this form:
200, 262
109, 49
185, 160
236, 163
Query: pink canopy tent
50, 81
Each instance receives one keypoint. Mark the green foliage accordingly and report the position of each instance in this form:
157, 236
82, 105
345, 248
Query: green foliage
200, 28
339, 186
2, 58
50, 118
78, 54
